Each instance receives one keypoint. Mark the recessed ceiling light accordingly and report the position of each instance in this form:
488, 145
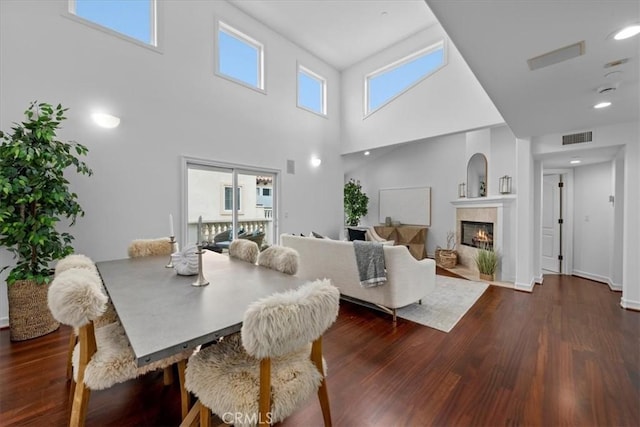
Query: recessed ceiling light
626, 32
366, 153
602, 105
315, 161
575, 162
612, 75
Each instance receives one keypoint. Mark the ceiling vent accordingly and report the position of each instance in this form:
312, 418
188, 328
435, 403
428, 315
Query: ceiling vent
577, 138
555, 56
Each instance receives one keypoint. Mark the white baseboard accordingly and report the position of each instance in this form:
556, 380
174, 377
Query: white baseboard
629, 304
526, 287
4, 322
538, 279
598, 278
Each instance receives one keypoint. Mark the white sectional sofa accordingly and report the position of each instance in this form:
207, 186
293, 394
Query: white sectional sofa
408, 280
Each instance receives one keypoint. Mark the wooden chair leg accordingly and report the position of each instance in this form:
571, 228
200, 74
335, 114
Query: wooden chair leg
168, 375
323, 394
205, 416
79, 406
184, 394
192, 417
264, 404
73, 339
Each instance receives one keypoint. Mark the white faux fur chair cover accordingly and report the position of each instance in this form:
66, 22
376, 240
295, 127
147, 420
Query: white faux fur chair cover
279, 258
75, 261
76, 298
226, 376
150, 247
245, 250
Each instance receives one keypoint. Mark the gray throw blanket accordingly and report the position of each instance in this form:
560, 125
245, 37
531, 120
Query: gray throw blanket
370, 261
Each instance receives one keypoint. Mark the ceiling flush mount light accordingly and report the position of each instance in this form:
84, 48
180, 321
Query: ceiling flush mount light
575, 161
105, 120
627, 32
315, 162
602, 105
366, 153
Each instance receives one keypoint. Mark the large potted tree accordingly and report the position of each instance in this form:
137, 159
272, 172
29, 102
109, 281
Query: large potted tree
356, 202
34, 197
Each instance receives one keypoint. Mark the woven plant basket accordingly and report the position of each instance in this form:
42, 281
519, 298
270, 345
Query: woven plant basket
446, 258
29, 315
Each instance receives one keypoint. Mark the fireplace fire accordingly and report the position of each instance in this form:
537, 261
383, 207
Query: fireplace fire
476, 234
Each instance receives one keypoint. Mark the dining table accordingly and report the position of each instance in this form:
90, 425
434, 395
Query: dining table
163, 314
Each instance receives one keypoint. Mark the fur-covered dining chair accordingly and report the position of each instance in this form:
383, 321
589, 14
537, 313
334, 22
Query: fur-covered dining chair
109, 316
103, 356
273, 366
150, 247
280, 258
245, 250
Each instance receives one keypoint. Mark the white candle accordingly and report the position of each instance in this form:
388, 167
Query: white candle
171, 233
199, 238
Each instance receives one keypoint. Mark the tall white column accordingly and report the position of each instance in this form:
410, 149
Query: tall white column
631, 251
525, 247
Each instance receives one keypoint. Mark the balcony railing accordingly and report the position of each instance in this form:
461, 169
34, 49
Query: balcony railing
212, 227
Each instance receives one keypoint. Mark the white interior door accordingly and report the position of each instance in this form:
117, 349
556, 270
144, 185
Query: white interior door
550, 223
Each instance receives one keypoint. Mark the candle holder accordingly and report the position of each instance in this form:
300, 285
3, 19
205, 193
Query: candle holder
462, 192
505, 184
172, 242
200, 281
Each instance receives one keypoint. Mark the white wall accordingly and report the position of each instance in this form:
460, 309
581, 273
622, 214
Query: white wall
171, 104
435, 163
593, 221
449, 101
615, 260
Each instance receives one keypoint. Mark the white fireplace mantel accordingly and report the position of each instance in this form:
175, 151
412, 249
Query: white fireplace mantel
503, 228
482, 202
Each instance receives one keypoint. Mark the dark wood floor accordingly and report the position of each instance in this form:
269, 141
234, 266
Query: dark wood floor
566, 354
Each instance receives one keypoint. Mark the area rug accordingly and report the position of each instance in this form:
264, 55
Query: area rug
446, 305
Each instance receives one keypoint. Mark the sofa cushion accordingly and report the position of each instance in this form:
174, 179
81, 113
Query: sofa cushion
356, 234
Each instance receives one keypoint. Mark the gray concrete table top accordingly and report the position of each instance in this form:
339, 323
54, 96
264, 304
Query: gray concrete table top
162, 314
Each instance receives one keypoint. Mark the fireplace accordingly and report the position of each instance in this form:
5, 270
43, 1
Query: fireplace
476, 234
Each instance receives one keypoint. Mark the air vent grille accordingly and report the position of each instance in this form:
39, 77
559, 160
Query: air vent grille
577, 138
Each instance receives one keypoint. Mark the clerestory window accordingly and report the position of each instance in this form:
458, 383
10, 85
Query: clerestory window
312, 91
240, 58
387, 83
135, 19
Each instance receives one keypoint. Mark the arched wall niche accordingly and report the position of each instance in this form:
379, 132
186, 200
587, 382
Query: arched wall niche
477, 176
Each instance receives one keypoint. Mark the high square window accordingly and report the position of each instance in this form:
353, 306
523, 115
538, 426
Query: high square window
133, 18
312, 91
384, 85
239, 57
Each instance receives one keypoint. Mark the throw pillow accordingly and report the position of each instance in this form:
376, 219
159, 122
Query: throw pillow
356, 234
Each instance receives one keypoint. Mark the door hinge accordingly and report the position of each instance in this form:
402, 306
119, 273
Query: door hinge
559, 257
560, 221
561, 184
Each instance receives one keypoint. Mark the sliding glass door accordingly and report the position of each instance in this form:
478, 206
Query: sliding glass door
232, 201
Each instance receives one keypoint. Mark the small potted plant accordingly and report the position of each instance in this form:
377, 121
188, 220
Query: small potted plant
487, 262
34, 197
448, 258
356, 202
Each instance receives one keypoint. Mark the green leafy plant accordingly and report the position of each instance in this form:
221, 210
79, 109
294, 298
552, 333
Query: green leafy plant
34, 193
356, 202
487, 260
